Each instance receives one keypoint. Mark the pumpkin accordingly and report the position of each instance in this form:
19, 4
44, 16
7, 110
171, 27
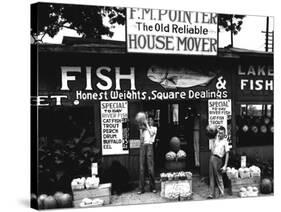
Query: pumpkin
266, 186
175, 144
211, 131
171, 155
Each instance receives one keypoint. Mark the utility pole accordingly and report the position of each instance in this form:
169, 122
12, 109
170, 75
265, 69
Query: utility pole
268, 37
266, 34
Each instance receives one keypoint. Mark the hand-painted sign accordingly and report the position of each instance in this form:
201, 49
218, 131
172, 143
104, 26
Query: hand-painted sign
114, 135
171, 31
219, 110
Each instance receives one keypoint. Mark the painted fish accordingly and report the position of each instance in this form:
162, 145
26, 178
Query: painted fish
172, 78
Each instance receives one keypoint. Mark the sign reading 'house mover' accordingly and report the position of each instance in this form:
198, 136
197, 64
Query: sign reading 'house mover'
171, 32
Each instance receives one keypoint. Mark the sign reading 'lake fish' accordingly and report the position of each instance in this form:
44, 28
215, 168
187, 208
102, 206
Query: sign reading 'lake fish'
171, 32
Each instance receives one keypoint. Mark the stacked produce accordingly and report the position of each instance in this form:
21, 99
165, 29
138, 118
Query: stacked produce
58, 200
249, 191
255, 171
176, 176
176, 185
180, 155
242, 173
232, 173
82, 183
175, 158
87, 202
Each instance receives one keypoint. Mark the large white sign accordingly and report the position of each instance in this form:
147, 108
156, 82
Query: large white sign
219, 110
114, 132
171, 31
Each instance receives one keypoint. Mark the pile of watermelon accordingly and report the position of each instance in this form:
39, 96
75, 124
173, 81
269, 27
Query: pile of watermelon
58, 200
176, 153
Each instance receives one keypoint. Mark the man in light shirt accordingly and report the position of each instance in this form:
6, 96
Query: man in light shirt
219, 148
147, 138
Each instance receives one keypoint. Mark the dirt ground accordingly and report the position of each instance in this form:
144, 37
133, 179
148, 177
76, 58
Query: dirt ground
199, 189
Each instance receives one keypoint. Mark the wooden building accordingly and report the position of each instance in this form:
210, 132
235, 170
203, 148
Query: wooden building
246, 78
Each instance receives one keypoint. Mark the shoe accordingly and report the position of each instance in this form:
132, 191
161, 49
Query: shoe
210, 197
221, 195
153, 191
140, 192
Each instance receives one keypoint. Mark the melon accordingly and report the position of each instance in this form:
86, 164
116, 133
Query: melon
181, 154
266, 186
171, 155
65, 201
211, 131
140, 118
175, 144
40, 200
50, 202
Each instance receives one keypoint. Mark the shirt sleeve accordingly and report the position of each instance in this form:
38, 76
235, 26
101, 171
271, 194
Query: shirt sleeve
227, 147
211, 144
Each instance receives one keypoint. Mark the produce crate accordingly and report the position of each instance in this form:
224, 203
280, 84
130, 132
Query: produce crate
175, 185
238, 183
102, 192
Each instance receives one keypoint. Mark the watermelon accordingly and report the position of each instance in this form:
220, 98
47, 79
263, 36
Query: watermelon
50, 202
175, 144
140, 118
171, 155
211, 131
266, 186
181, 154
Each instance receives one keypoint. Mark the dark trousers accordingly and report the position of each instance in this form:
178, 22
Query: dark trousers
146, 159
215, 176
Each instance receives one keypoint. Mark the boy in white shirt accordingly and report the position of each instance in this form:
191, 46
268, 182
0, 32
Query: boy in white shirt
219, 148
147, 138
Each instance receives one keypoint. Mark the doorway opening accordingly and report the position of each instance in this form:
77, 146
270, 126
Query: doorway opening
180, 119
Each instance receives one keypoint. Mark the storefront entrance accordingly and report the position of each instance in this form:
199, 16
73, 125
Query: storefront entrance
180, 119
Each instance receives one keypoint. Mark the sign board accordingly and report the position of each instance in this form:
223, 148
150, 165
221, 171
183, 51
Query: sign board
94, 169
83, 85
134, 143
114, 132
219, 110
255, 80
171, 31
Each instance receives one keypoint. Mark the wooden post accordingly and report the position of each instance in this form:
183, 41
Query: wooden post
266, 34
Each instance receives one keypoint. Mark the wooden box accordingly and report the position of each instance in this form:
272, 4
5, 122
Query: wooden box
175, 185
238, 183
102, 192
